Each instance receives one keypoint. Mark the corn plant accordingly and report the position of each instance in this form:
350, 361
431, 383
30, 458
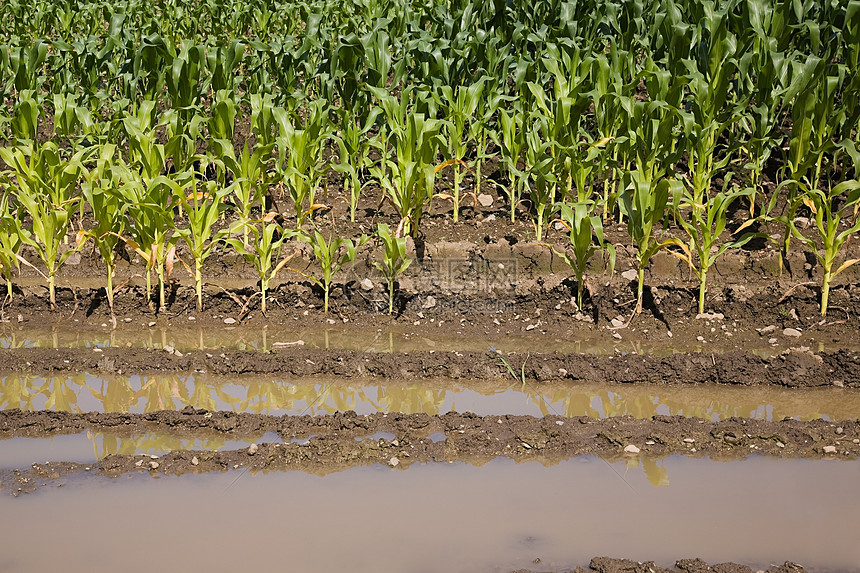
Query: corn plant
510, 137
264, 251
704, 221
354, 147
44, 186
394, 260
458, 107
100, 193
829, 207
408, 179
331, 255
643, 202
300, 155
586, 238
250, 177
540, 178
202, 209
149, 205
11, 234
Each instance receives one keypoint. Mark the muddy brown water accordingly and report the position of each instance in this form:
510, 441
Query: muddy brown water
444, 517
268, 395
402, 338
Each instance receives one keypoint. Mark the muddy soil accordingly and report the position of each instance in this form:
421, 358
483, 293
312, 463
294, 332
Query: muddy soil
611, 565
325, 444
795, 368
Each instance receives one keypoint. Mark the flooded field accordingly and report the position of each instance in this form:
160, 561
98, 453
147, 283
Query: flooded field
447, 517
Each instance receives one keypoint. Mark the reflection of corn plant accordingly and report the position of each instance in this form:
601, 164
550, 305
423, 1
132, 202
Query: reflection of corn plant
44, 187
202, 209
707, 221
586, 237
109, 218
300, 155
331, 255
829, 207
264, 251
394, 262
643, 202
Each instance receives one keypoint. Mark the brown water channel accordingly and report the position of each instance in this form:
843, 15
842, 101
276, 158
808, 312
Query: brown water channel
267, 395
441, 517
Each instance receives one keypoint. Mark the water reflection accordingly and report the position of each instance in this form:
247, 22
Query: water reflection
257, 394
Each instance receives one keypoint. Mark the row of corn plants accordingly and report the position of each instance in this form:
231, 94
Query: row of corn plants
665, 115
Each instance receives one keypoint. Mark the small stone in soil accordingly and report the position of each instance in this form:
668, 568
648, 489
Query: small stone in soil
793, 332
252, 449
194, 461
631, 449
230, 320
829, 449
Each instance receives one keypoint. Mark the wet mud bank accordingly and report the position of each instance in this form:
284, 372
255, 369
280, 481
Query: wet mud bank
796, 368
613, 565
326, 444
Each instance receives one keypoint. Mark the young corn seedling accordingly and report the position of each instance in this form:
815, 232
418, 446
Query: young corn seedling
829, 207
586, 238
250, 178
458, 108
511, 140
394, 261
704, 220
331, 255
264, 251
408, 179
643, 202
354, 153
300, 155
11, 233
149, 205
202, 209
44, 187
100, 192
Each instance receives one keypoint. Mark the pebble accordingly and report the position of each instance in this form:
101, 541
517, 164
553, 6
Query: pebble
367, 285
617, 322
531, 327
630, 275
394, 462
780, 445
689, 440
856, 440
631, 449
151, 324
485, 200
559, 423
194, 461
153, 465
767, 329
252, 449
839, 430
710, 316
229, 320
700, 338
771, 340
829, 449
649, 443
429, 302
793, 332
616, 336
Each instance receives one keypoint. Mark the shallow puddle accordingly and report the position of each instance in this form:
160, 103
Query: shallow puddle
88, 447
441, 517
347, 337
257, 394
